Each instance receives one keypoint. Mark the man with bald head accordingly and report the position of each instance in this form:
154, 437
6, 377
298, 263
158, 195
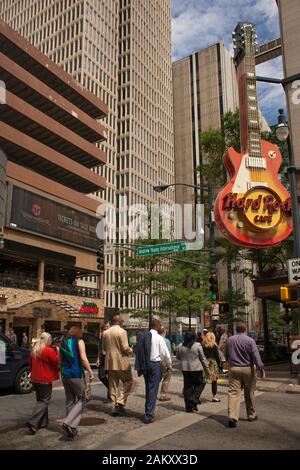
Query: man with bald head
116, 349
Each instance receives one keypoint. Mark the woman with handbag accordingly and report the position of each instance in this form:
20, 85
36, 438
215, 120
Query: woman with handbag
211, 352
73, 361
44, 370
193, 363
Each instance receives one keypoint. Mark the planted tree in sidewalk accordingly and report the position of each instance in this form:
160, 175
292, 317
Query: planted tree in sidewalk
188, 288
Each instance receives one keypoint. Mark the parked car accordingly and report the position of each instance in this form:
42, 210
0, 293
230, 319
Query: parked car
91, 343
14, 366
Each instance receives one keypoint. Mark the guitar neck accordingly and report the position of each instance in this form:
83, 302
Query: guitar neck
249, 115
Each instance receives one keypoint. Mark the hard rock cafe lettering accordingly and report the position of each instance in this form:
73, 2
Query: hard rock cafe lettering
261, 208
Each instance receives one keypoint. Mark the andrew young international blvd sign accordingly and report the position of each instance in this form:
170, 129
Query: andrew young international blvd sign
161, 249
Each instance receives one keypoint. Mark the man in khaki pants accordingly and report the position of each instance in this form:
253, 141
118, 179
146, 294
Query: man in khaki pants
243, 357
116, 349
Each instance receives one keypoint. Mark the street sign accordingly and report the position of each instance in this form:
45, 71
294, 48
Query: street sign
294, 270
108, 248
161, 249
215, 311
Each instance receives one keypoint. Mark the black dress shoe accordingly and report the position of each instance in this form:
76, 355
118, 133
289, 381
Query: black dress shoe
148, 421
232, 423
71, 432
252, 418
31, 428
121, 410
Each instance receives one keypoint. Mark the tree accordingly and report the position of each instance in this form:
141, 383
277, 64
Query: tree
178, 282
188, 287
142, 275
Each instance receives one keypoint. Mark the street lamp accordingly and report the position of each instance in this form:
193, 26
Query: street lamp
208, 189
283, 134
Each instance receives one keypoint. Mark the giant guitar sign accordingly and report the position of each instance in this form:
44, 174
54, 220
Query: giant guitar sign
254, 208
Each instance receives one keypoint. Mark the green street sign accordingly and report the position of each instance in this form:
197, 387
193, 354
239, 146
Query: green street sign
164, 248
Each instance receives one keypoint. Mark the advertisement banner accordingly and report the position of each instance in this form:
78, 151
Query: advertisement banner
37, 214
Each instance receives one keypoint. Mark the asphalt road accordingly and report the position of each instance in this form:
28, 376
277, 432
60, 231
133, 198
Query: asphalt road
278, 428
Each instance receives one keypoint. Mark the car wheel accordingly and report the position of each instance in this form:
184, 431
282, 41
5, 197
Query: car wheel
22, 382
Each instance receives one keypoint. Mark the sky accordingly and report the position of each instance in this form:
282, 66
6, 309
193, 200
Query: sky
197, 24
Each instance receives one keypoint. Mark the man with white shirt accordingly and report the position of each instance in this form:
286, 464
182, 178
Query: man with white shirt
152, 374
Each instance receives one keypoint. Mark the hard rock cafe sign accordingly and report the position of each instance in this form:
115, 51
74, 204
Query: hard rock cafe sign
254, 208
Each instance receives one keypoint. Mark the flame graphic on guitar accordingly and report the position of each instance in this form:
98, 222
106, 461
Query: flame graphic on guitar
254, 208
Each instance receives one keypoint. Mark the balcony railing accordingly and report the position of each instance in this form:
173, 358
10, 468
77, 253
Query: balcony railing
49, 286
68, 289
7, 280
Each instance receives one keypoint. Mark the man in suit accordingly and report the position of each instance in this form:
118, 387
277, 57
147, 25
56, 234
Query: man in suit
116, 349
102, 373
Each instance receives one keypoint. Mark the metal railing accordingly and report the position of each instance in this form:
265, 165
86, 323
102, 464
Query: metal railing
16, 282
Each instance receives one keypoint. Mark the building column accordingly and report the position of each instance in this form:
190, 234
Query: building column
41, 275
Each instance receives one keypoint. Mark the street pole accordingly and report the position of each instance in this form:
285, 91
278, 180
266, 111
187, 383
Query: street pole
212, 241
190, 319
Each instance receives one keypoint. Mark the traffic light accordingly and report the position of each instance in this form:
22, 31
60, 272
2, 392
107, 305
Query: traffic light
289, 294
213, 280
100, 258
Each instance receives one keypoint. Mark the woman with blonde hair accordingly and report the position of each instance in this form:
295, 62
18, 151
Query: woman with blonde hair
44, 370
73, 361
211, 352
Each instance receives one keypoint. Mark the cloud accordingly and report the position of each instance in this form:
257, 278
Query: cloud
197, 24
271, 97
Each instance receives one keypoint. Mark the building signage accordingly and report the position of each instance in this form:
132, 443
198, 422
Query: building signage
89, 307
294, 270
261, 208
259, 218
37, 214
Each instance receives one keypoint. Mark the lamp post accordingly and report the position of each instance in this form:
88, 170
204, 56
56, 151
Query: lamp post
208, 189
283, 135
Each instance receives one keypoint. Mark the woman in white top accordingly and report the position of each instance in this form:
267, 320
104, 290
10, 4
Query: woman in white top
193, 362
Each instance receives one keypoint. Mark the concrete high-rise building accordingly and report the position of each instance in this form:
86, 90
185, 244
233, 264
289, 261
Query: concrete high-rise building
205, 88
121, 51
289, 15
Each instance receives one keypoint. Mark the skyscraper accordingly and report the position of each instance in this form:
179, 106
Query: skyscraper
121, 51
205, 88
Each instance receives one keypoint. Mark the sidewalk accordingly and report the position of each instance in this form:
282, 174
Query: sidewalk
99, 430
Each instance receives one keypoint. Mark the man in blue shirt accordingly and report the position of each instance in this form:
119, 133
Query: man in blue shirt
243, 358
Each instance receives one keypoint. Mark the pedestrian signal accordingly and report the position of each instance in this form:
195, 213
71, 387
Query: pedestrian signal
213, 281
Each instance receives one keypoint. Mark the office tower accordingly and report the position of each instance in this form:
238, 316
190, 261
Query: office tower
121, 51
289, 15
205, 88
